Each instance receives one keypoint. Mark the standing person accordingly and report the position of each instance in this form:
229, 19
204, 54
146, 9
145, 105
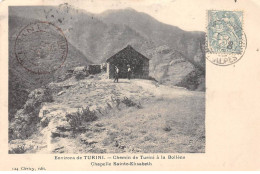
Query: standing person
116, 74
129, 72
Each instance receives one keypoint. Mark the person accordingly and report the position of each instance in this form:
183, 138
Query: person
129, 72
116, 74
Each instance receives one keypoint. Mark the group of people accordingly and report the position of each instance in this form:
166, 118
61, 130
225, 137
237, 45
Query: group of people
129, 71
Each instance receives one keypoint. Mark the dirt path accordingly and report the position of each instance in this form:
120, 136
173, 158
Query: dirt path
165, 91
170, 119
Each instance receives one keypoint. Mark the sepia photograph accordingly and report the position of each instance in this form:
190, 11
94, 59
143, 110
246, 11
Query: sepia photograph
119, 81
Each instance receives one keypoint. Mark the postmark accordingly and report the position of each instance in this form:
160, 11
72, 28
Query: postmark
41, 47
225, 40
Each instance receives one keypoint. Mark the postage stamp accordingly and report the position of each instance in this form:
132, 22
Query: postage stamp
226, 40
41, 47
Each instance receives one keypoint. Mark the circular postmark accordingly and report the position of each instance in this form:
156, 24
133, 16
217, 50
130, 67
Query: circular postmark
225, 59
41, 47
225, 41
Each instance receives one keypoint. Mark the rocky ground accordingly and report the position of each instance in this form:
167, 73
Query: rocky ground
129, 116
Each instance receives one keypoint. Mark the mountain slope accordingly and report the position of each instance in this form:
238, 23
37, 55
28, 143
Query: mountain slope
174, 53
99, 36
187, 43
22, 81
136, 116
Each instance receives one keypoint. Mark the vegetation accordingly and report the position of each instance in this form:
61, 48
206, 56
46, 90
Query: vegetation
45, 122
26, 120
20, 149
194, 80
29, 108
80, 76
127, 102
47, 96
17, 97
81, 116
167, 128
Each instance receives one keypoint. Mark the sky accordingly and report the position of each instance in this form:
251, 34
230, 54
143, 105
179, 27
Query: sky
189, 15
179, 13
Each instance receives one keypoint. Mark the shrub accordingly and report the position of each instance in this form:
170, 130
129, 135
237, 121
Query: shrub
45, 122
27, 119
167, 128
80, 76
18, 95
29, 108
129, 103
152, 78
193, 80
32, 109
84, 115
18, 150
37, 97
47, 96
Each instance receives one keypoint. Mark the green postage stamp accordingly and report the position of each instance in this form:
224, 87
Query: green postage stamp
226, 41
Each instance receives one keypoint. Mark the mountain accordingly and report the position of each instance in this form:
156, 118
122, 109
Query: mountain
22, 81
187, 43
177, 56
99, 36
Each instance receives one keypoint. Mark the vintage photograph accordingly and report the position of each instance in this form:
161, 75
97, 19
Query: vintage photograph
119, 81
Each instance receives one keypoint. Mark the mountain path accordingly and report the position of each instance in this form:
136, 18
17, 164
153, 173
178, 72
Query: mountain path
112, 132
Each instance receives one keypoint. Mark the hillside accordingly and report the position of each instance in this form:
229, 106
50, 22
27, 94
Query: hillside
177, 56
22, 81
99, 36
136, 116
187, 43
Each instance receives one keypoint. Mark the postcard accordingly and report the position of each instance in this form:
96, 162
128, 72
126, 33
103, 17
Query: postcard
129, 85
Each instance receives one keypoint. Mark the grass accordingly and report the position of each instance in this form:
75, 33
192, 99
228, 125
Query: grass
77, 119
161, 126
163, 123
